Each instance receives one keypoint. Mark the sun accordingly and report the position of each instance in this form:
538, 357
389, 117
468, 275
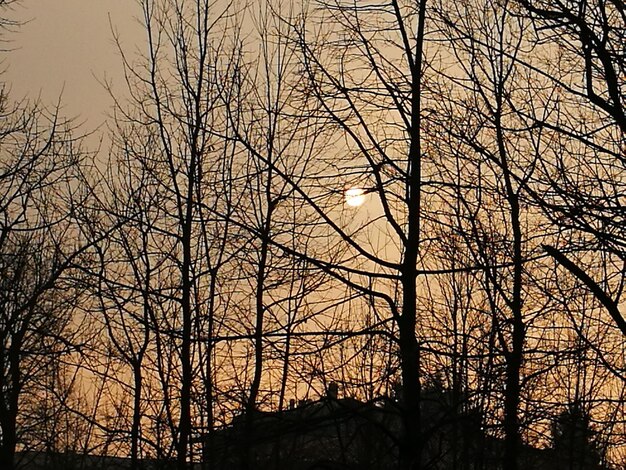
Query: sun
355, 197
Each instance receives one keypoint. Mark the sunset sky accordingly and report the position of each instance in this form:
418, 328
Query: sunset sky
295, 217
64, 48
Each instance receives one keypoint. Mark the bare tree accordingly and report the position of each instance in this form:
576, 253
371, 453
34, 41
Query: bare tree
183, 171
505, 85
39, 164
346, 104
589, 124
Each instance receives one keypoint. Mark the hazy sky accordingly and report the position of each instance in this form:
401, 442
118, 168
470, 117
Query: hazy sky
65, 47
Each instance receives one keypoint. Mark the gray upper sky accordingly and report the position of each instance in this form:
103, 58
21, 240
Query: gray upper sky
64, 48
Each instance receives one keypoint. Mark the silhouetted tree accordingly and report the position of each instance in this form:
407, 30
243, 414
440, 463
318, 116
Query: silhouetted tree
39, 161
587, 120
573, 440
344, 67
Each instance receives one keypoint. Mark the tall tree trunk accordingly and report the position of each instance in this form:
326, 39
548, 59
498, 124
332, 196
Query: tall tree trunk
259, 321
9, 439
514, 355
208, 382
260, 314
410, 450
8, 409
184, 429
134, 434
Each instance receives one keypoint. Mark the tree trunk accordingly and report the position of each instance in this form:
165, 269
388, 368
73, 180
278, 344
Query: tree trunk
411, 447
9, 441
514, 356
134, 434
8, 411
184, 429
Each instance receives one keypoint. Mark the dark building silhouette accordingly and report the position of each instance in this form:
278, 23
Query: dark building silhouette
345, 433
33, 460
331, 433
337, 432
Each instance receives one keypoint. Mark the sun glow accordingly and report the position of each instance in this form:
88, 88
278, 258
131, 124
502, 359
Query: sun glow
355, 197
